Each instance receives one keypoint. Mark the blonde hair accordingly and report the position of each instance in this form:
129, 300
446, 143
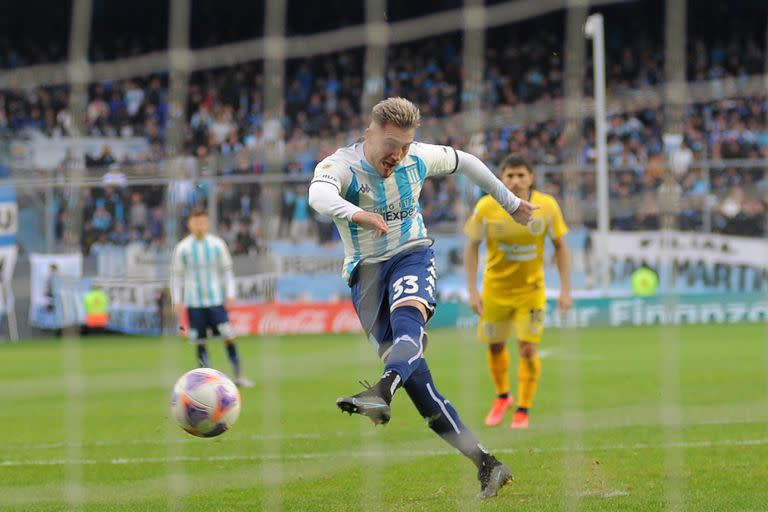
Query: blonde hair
397, 111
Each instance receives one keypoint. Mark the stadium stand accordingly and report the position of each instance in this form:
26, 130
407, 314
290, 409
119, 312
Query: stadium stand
227, 129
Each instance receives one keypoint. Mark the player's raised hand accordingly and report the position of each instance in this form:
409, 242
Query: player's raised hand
524, 212
370, 220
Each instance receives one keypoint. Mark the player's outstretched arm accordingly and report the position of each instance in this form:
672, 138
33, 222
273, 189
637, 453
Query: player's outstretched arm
481, 175
524, 212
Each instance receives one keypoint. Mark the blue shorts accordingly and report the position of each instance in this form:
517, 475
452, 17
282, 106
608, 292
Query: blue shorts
201, 319
378, 287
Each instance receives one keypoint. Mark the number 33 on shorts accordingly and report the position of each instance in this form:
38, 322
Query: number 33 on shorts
406, 284
420, 285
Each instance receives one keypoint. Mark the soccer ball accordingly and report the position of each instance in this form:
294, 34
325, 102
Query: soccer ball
205, 402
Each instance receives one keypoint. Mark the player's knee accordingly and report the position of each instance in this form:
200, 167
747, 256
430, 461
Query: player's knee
527, 349
496, 348
226, 331
416, 304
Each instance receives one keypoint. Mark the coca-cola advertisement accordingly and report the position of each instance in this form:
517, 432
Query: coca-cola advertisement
308, 318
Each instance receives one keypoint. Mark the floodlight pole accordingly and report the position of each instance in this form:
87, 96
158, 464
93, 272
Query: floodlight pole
594, 30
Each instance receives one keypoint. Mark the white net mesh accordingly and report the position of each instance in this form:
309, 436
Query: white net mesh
237, 128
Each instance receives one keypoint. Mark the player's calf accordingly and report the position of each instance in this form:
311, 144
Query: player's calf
202, 355
234, 359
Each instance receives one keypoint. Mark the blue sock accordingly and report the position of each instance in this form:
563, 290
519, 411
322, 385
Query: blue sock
441, 417
234, 358
407, 349
202, 356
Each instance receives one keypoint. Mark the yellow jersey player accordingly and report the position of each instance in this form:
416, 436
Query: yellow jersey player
513, 298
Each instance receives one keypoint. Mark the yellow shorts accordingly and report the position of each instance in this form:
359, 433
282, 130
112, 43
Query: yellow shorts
521, 314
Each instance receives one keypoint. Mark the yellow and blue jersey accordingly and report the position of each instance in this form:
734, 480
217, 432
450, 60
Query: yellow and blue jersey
515, 261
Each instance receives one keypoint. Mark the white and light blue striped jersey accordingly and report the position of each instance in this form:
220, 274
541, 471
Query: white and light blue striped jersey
396, 198
201, 272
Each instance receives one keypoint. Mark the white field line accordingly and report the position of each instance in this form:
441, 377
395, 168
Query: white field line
163, 442
233, 437
602, 494
382, 454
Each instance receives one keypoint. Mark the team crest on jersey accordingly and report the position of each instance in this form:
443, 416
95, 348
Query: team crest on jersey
412, 171
536, 226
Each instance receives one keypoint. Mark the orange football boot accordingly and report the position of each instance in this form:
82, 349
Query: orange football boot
498, 410
519, 419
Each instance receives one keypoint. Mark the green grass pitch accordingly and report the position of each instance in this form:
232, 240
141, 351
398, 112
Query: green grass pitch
638, 419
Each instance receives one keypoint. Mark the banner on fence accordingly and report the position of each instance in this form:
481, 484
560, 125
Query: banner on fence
690, 261
281, 319
135, 305
632, 311
257, 288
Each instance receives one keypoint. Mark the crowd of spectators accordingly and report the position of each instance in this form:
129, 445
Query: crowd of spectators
229, 131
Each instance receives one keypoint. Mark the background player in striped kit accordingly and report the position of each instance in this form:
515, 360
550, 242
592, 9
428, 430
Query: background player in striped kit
371, 189
202, 280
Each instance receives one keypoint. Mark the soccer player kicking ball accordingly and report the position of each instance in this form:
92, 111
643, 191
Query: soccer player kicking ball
203, 281
371, 190
513, 297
